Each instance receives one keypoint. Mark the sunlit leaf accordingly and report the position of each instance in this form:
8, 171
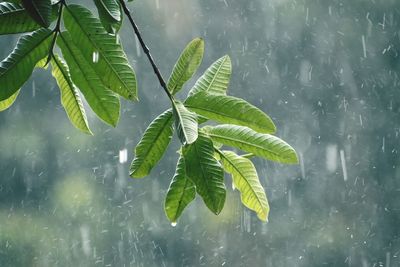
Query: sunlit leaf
216, 78
16, 69
5, 104
206, 173
153, 144
70, 97
39, 10
102, 100
246, 139
180, 193
186, 65
102, 50
185, 123
232, 110
246, 180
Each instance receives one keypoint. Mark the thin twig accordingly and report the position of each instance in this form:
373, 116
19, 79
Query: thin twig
56, 31
146, 50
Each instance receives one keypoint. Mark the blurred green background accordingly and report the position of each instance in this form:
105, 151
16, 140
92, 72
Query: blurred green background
326, 71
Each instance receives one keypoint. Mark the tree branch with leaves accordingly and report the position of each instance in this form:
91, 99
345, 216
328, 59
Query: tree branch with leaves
93, 63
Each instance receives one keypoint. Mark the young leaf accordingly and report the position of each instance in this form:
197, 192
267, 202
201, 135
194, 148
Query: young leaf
246, 139
18, 66
101, 49
102, 100
232, 110
109, 14
70, 97
15, 19
39, 10
186, 65
185, 123
246, 180
153, 144
206, 173
180, 193
216, 78
5, 104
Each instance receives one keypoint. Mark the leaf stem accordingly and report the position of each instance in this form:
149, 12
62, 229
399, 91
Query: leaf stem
56, 31
146, 50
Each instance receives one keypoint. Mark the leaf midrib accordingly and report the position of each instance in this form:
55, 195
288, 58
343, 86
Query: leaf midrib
70, 87
203, 176
186, 67
216, 73
24, 55
247, 182
94, 91
154, 143
100, 51
246, 143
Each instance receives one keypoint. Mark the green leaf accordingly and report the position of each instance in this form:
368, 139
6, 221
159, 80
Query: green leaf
15, 19
206, 173
232, 110
102, 100
103, 50
70, 97
180, 193
185, 123
111, 7
5, 104
245, 179
109, 14
16, 69
153, 144
39, 10
186, 65
216, 78
246, 139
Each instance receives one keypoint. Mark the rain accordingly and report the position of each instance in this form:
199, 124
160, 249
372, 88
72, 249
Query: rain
326, 72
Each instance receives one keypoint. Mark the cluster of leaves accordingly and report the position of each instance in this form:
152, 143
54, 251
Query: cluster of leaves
93, 63
202, 162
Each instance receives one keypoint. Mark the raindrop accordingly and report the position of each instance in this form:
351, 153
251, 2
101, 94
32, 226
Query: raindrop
331, 158
343, 161
123, 156
33, 89
364, 46
95, 57
173, 224
157, 4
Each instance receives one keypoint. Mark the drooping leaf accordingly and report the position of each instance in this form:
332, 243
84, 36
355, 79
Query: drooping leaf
109, 14
246, 139
16, 69
231, 110
102, 100
102, 50
15, 19
70, 97
206, 172
180, 193
39, 10
153, 144
112, 8
186, 66
5, 104
216, 78
185, 123
246, 180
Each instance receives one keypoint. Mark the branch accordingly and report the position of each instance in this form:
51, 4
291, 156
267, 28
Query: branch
146, 50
